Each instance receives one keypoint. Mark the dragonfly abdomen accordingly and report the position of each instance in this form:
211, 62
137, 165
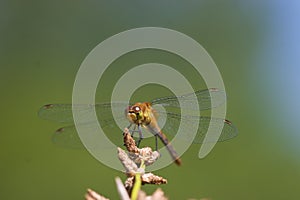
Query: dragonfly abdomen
170, 148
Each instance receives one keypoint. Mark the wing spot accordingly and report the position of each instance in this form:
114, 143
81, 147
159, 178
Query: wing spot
48, 106
60, 130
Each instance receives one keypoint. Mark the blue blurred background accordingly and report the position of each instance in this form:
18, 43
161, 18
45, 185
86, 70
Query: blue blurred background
255, 44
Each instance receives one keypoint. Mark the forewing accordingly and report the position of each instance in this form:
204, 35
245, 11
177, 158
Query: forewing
188, 101
63, 112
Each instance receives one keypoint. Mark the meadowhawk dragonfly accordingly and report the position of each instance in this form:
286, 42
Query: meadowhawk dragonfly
144, 115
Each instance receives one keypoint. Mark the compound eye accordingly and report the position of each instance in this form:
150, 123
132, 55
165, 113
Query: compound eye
136, 109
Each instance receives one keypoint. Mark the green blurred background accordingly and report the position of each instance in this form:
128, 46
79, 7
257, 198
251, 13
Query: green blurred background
255, 45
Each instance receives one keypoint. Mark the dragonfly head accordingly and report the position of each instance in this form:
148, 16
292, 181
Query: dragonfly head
134, 114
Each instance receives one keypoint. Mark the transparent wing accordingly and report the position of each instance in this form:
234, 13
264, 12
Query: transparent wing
68, 137
63, 112
189, 101
172, 121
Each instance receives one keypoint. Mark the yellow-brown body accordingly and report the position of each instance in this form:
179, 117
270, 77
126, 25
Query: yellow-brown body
142, 114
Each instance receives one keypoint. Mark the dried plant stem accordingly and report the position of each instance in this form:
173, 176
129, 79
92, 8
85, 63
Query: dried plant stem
121, 189
134, 162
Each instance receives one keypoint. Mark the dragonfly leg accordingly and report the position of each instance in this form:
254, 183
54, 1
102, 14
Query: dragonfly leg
141, 135
132, 131
128, 127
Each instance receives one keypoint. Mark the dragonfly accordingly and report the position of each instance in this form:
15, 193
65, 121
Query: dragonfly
143, 115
